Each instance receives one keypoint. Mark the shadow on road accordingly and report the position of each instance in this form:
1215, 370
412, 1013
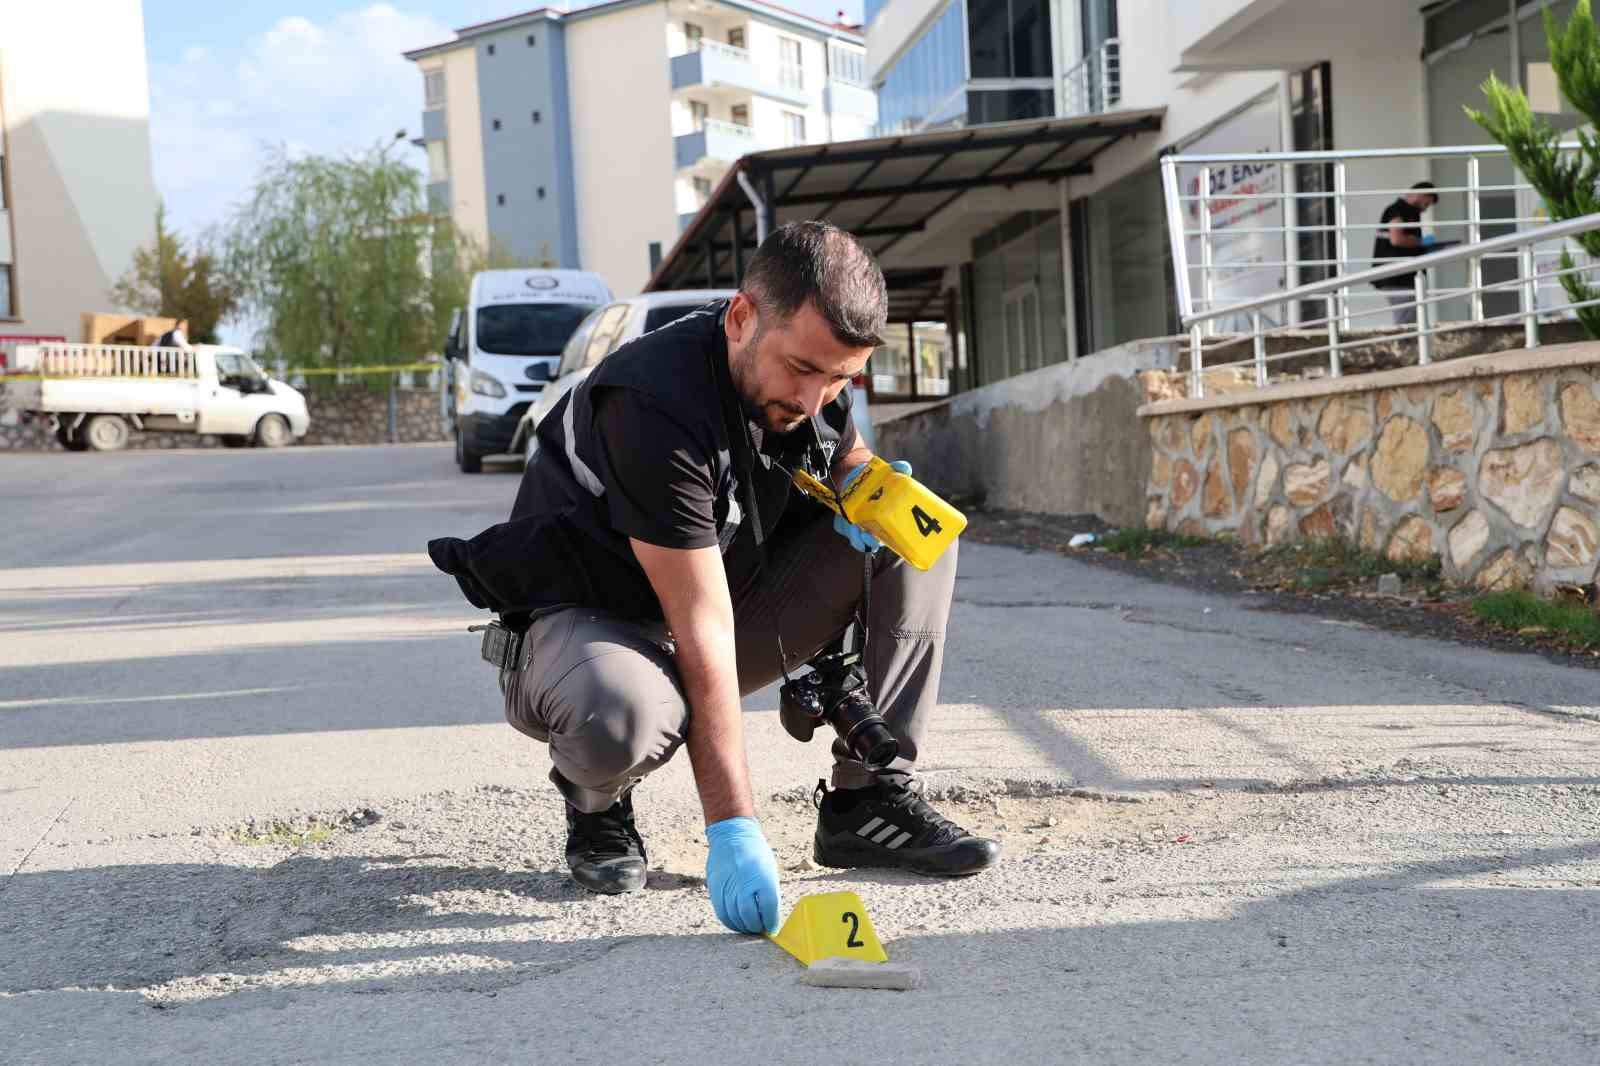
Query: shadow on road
1328, 972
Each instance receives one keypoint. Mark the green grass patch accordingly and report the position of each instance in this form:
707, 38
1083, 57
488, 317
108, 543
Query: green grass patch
1528, 615
1325, 565
281, 834
1136, 542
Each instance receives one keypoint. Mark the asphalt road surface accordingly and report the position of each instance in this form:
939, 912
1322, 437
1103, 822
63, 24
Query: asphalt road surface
257, 804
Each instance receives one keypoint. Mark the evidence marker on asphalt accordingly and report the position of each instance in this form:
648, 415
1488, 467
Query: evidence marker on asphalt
831, 934
827, 925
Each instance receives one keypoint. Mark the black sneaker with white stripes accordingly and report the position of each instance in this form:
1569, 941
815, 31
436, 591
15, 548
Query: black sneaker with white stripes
604, 850
888, 825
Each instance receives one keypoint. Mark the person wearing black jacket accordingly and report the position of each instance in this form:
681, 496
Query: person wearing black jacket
1400, 235
658, 558
176, 337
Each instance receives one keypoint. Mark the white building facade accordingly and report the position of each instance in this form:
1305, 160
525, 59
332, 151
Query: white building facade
587, 139
77, 195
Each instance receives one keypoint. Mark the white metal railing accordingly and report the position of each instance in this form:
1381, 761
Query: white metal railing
716, 127
105, 361
1243, 225
726, 51
1415, 310
1094, 83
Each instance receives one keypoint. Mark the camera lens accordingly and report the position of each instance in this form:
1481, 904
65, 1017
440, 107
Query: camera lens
872, 743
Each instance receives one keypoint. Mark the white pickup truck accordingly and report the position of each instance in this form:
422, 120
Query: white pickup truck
95, 395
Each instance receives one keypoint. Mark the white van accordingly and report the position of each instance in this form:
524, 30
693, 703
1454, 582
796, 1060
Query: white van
503, 349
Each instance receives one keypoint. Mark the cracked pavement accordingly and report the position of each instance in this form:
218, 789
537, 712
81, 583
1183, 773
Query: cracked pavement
1231, 835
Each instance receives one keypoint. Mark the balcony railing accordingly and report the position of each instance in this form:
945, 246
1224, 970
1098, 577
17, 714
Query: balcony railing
845, 97
716, 65
1413, 310
1243, 225
1094, 84
724, 141
1278, 245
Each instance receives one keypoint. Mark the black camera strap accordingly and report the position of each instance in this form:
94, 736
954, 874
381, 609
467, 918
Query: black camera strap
742, 448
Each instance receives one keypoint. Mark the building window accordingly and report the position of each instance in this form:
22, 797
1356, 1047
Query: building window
791, 72
794, 128
536, 118
489, 49
1011, 39
532, 40
845, 65
541, 192
433, 90
495, 123
693, 35
702, 191
699, 111
7, 310
740, 113
500, 200
736, 37
438, 161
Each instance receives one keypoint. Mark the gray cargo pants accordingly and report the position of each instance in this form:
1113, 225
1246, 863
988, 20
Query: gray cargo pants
604, 692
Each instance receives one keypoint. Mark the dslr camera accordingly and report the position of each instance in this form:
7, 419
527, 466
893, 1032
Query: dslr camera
835, 691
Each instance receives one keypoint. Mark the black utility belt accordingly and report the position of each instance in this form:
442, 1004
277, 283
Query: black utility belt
502, 645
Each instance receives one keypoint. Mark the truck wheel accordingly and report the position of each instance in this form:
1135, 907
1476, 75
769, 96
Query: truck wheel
272, 432
469, 462
105, 433
235, 440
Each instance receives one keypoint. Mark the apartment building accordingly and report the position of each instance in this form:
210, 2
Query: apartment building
77, 196
585, 139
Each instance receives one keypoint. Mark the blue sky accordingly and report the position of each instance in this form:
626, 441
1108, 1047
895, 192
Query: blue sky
229, 79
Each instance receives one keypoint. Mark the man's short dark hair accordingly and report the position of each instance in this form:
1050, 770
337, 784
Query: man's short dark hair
820, 264
1427, 187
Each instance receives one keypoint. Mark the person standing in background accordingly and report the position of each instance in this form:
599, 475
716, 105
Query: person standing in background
1399, 235
176, 337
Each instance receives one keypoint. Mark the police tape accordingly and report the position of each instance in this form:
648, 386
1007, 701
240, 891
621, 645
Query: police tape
320, 371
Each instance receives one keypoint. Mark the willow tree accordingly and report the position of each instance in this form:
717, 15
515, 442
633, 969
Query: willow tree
1568, 182
340, 261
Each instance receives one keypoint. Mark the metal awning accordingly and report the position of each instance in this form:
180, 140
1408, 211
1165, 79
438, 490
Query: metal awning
894, 194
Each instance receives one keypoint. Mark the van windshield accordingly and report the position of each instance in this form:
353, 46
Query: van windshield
528, 329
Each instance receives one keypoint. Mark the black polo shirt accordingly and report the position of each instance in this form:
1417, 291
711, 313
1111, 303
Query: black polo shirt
655, 446
1406, 216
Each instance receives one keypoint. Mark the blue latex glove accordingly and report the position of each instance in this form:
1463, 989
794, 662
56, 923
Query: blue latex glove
860, 539
1429, 240
742, 876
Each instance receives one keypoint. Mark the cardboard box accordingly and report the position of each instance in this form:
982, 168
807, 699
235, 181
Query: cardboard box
99, 328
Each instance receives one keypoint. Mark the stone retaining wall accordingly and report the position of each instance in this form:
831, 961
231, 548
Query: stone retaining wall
1491, 463
344, 414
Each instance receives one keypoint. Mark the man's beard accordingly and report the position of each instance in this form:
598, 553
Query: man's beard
776, 416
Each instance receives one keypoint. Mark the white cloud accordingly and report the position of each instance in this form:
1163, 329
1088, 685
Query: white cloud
335, 85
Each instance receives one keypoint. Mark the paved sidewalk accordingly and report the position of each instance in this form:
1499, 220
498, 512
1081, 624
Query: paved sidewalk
1231, 836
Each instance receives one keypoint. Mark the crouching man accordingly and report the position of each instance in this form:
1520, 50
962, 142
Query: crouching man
657, 555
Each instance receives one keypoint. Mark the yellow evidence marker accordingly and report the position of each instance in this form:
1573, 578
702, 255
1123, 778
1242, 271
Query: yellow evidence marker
830, 925
896, 508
